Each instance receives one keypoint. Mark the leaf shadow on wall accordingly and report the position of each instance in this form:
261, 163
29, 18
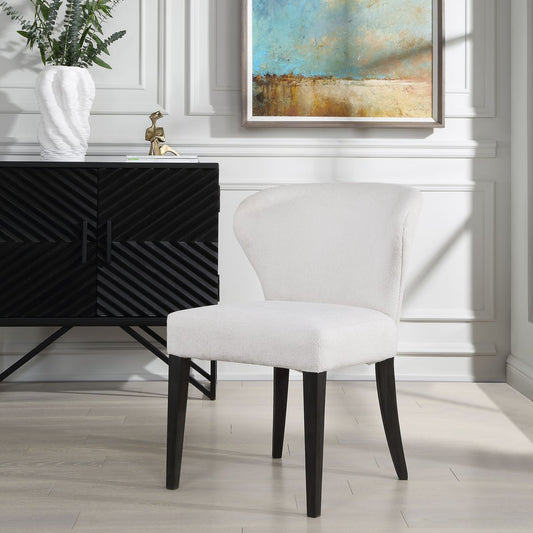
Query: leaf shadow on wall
8, 112
13, 58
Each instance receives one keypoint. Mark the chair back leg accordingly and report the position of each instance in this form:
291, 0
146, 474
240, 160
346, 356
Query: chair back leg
386, 385
178, 384
281, 389
314, 386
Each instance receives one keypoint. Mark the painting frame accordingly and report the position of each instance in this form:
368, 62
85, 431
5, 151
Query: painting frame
436, 120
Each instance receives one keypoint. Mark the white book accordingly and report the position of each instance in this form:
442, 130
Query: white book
182, 158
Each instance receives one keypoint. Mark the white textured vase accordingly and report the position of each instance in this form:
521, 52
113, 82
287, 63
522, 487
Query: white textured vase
65, 96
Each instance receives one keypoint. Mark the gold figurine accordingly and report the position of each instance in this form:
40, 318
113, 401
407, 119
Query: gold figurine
156, 135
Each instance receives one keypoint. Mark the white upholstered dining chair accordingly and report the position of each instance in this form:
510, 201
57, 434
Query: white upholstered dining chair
331, 261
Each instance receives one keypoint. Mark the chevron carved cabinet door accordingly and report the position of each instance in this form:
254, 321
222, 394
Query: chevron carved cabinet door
114, 243
48, 230
161, 233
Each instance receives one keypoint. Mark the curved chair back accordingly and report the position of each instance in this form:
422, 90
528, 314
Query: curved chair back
337, 243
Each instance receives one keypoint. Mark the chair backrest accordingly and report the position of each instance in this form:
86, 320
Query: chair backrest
339, 243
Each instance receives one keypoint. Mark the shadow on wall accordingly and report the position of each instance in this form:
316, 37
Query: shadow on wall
13, 57
8, 111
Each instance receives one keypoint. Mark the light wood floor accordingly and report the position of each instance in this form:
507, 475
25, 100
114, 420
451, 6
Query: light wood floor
91, 457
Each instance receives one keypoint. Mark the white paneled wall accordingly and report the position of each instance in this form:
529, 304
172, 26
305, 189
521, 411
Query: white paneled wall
183, 56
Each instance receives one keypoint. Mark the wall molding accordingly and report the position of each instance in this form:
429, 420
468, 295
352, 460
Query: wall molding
147, 93
279, 147
476, 96
205, 95
76, 348
447, 349
487, 313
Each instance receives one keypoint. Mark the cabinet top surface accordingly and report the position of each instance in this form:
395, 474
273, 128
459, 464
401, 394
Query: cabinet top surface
103, 164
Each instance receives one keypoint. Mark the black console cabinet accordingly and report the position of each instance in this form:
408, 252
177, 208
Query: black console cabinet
106, 243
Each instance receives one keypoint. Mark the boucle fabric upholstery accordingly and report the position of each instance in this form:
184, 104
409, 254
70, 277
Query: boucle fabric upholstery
338, 243
331, 261
303, 336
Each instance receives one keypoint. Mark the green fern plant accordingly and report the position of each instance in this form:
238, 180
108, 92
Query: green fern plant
77, 39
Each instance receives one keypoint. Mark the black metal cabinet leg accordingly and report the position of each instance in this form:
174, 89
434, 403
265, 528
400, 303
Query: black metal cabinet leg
281, 389
178, 384
32, 353
145, 342
213, 381
386, 386
314, 410
211, 377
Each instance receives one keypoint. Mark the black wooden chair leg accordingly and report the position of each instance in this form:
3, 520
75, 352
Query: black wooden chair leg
314, 408
386, 386
178, 384
281, 389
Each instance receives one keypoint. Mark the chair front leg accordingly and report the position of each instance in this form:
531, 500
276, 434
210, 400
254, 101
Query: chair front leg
314, 410
178, 384
386, 385
281, 389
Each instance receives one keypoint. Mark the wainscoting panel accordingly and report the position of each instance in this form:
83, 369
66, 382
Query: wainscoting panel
214, 64
136, 83
470, 58
451, 277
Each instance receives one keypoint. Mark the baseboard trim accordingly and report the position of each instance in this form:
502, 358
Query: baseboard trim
127, 361
520, 376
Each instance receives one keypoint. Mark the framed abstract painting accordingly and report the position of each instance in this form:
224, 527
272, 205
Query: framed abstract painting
343, 63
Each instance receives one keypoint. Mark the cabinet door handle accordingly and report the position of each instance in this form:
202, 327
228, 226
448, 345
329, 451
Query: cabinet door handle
84, 226
109, 241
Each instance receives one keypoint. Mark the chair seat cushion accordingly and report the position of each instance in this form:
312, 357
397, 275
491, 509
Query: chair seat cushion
311, 337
